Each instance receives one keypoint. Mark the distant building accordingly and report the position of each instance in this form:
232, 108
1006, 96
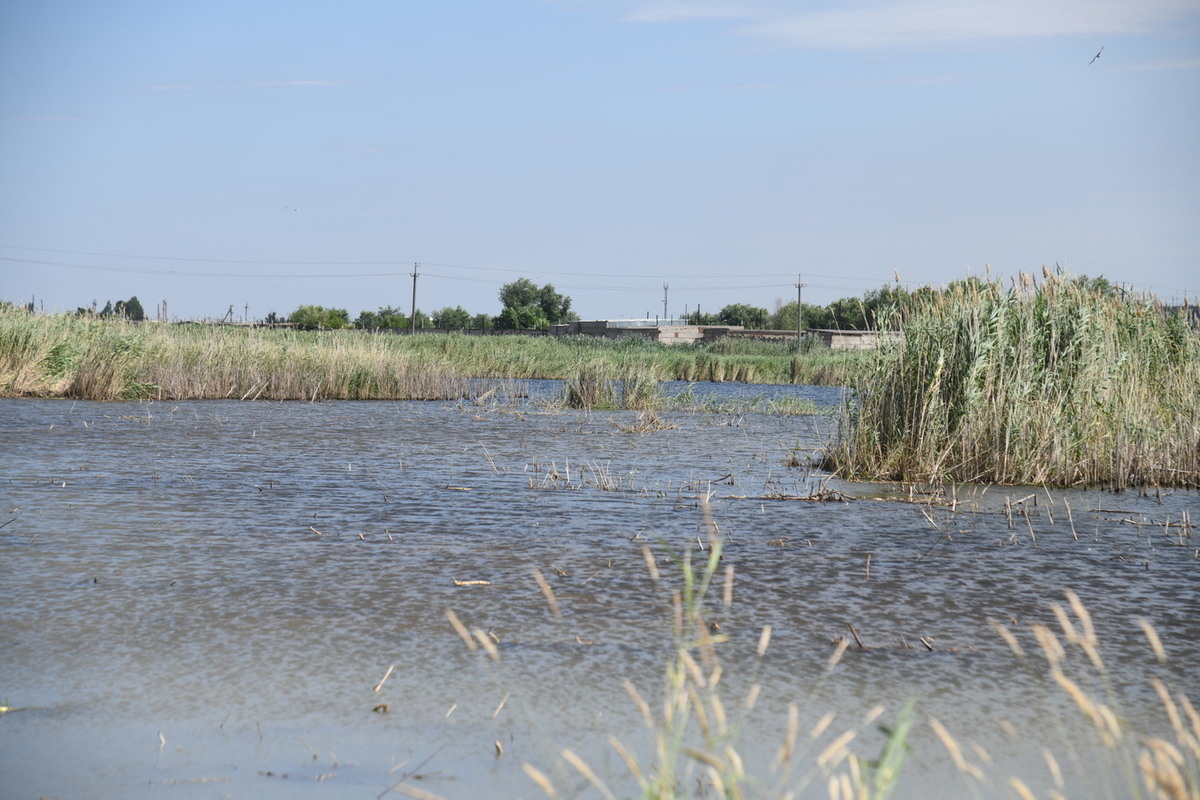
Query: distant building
676, 332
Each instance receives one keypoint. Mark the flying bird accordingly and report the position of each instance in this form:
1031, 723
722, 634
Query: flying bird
1097, 55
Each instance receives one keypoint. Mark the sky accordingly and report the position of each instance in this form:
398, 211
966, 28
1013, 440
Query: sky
638, 155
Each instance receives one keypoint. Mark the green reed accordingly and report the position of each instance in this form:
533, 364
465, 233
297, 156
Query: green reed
1051, 383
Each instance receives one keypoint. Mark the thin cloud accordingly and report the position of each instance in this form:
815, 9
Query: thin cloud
908, 23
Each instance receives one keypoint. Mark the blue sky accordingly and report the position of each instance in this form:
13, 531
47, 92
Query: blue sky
272, 154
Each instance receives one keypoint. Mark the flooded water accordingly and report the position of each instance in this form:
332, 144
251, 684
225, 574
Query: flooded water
199, 599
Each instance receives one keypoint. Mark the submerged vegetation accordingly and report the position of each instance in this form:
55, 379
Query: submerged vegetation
109, 359
1061, 383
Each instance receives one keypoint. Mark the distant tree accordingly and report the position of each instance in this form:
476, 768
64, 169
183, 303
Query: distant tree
698, 317
742, 314
133, 310
522, 293
421, 319
849, 314
452, 318
273, 319
107, 311
522, 318
1100, 284
784, 318
885, 307
481, 321
319, 318
385, 317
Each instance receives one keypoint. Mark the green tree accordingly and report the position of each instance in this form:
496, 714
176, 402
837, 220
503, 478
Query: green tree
884, 307
311, 318
133, 310
784, 318
522, 293
742, 314
523, 318
452, 318
849, 314
385, 317
482, 322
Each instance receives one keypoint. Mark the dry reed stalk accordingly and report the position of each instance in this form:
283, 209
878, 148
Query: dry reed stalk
955, 751
383, 680
764, 639
784, 757
838, 651
832, 755
752, 697
1052, 649
538, 777
626, 756
1008, 638
642, 705
582, 767
1052, 765
460, 629
856, 639
1152, 637
1021, 789
1162, 769
487, 644
548, 592
1101, 715
651, 564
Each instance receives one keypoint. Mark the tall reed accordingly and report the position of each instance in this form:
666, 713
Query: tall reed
1045, 383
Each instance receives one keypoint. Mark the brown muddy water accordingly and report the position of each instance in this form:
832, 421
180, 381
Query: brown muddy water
198, 599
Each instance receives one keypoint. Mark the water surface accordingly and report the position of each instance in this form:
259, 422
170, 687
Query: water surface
199, 598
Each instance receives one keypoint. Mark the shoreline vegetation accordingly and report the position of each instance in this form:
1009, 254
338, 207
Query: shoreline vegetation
1066, 382
89, 358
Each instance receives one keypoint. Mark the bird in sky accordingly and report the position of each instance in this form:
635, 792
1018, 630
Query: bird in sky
1097, 55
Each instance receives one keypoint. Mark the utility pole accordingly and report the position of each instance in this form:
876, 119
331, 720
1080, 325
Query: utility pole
413, 316
799, 310
665, 317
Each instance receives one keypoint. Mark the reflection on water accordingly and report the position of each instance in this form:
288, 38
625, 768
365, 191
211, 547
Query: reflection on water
204, 595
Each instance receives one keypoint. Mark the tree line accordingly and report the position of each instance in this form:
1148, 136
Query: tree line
527, 306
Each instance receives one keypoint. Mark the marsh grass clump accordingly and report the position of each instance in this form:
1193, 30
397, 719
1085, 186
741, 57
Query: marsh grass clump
592, 387
1061, 383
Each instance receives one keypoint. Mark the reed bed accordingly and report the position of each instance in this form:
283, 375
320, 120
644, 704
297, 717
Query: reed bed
106, 359
1041, 383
